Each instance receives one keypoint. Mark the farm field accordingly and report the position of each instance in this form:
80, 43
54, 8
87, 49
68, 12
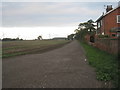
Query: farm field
14, 48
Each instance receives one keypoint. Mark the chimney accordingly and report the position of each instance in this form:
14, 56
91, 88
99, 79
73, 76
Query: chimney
119, 4
109, 7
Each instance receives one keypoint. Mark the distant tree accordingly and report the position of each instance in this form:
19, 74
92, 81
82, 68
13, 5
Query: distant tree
76, 30
39, 37
11, 39
8, 39
71, 37
89, 25
21, 39
17, 38
85, 28
79, 35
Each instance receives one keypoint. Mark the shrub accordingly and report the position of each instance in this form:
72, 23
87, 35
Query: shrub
103, 36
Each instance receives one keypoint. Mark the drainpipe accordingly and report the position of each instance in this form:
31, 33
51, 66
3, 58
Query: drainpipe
104, 24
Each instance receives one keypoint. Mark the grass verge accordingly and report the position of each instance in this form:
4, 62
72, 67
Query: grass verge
106, 65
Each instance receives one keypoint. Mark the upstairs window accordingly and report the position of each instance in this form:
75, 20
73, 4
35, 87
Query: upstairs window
99, 23
118, 18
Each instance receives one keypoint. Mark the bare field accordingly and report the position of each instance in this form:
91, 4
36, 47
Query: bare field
14, 48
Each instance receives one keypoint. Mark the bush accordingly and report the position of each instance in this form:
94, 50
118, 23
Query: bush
103, 36
11, 39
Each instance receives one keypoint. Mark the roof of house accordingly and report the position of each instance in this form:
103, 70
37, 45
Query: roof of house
99, 18
107, 13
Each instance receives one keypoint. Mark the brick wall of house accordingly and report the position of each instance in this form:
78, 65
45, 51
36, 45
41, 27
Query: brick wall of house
110, 21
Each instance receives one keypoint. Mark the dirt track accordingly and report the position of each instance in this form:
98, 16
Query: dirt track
60, 68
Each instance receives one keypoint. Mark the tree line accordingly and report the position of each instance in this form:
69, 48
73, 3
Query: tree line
82, 30
11, 39
18, 39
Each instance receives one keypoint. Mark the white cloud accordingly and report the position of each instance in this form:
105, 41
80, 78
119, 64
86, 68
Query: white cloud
55, 14
58, 9
46, 13
33, 33
59, 0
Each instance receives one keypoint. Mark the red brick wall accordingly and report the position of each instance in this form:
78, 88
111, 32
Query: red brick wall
110, 21
87, 38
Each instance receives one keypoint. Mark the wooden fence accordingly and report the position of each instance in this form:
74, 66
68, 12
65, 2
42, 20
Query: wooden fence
109, 45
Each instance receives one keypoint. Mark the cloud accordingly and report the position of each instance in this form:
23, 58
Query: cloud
48, 13
60, 0
34, 32
45, 9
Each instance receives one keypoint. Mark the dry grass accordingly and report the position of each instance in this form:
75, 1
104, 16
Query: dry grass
14, 48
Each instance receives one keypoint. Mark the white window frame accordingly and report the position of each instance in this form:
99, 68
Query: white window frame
117, 18
99, 25
101, 22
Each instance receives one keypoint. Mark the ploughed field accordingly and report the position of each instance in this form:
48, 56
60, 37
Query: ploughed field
14, 48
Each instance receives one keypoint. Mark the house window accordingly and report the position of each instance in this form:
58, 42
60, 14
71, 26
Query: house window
113, 35
101, 22
118, 18
118, 34
98, 24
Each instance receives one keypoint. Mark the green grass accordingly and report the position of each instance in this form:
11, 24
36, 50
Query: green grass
106, 64
15, 48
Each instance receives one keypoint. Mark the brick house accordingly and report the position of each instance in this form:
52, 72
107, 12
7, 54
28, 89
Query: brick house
109, 23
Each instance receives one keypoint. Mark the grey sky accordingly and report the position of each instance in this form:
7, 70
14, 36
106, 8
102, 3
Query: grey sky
28, 20
27, 14
60, 0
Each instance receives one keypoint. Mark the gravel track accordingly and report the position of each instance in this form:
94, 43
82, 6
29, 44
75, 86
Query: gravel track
64, 67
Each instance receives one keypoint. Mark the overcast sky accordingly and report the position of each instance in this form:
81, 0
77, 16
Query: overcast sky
62, 18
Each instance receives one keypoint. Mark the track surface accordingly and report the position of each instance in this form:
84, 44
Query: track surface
64, 67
